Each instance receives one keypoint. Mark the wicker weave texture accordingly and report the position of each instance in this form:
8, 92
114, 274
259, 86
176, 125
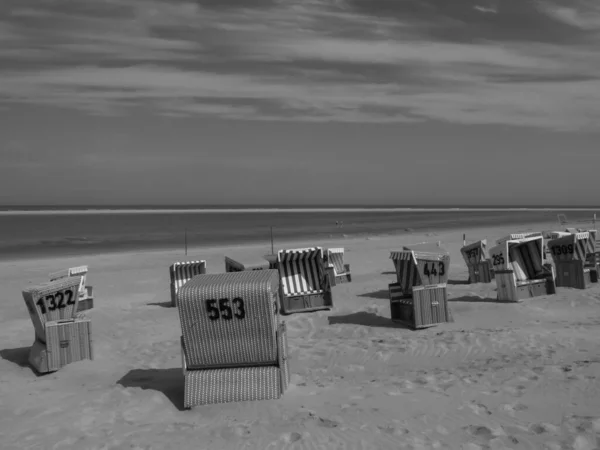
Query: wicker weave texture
230, 319
66, 342
52, 301
79, 271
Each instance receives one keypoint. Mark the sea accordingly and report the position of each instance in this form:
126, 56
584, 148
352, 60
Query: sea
28, 232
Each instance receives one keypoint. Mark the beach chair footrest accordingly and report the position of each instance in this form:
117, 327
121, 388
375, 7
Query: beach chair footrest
423, 307
305, 303
240, 384
85, 303
66, 343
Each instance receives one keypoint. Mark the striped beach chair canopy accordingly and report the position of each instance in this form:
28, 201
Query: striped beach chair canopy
417, 268
335, 259
301, 271
183, 271
523, 256
475, 253
573, 247
230, 319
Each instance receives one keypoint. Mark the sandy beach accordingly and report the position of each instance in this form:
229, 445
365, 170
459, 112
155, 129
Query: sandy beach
501, 376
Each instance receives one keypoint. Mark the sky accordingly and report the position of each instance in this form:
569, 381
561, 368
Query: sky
299, 102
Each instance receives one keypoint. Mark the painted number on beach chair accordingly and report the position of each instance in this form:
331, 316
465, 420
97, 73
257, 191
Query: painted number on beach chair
56, 301
498, 259
221, 309
441, 270
562, 249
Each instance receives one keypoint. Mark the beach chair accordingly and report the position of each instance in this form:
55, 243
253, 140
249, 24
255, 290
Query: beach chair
593, 254
62, 335
233, 344
305, 285
570, 255
419, 298
181, 273
334, 259
520, 271
86, 296
239, 264
478, 262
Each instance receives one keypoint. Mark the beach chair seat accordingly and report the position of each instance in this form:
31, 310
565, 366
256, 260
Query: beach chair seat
233, 345
477, 260
520, 269
86, 296
574, 266
334, 258
305, 285
62, 335
419, 298
181, 272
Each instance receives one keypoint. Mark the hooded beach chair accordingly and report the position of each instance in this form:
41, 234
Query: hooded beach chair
334, 259
181, 273
239, 264
86, 297
62, 335
570, 255
419, 298
233, 344
520, 270
478, 262
305, 285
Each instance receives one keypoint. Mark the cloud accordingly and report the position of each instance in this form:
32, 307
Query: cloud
515, 62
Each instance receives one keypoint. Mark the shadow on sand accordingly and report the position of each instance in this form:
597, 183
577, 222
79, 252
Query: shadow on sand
455, 282
168, 381
383, 294
365, 319
161, 304
20, 357
473, 299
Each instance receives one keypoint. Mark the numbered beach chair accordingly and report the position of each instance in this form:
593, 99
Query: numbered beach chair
181, 273
419, 298
62, 335
233, 344
334, 259
86, 296
305, 285
520, 270
478, 263
239, 263
570, 255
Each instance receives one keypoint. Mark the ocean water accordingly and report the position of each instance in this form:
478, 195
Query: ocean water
61, 234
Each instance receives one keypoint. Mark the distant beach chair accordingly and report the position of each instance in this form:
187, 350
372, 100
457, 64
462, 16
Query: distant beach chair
86, 296
181, 273
334, 259
305, 285
233, 344
419, 298
239, 264
573, 266
62, 335
478, 262
520, 270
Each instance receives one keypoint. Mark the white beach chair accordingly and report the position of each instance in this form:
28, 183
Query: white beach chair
571, 254
86, 296
305, 285
182, 272
334, 258
233, 345
478, 262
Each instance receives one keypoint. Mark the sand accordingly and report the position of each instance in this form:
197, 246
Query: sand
502, 376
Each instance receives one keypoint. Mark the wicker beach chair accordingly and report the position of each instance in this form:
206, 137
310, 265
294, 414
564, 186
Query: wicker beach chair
478, 262
239, 264
62, 335
305, 285
419, 298
233, 345
334, 259
573, 266
520, 270
86, 295
181, 273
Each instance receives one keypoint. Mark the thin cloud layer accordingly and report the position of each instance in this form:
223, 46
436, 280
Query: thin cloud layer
515, 62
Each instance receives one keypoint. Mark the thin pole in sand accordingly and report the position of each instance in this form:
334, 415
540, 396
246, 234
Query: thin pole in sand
594, 221
272, 241
186, 242
464, 239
